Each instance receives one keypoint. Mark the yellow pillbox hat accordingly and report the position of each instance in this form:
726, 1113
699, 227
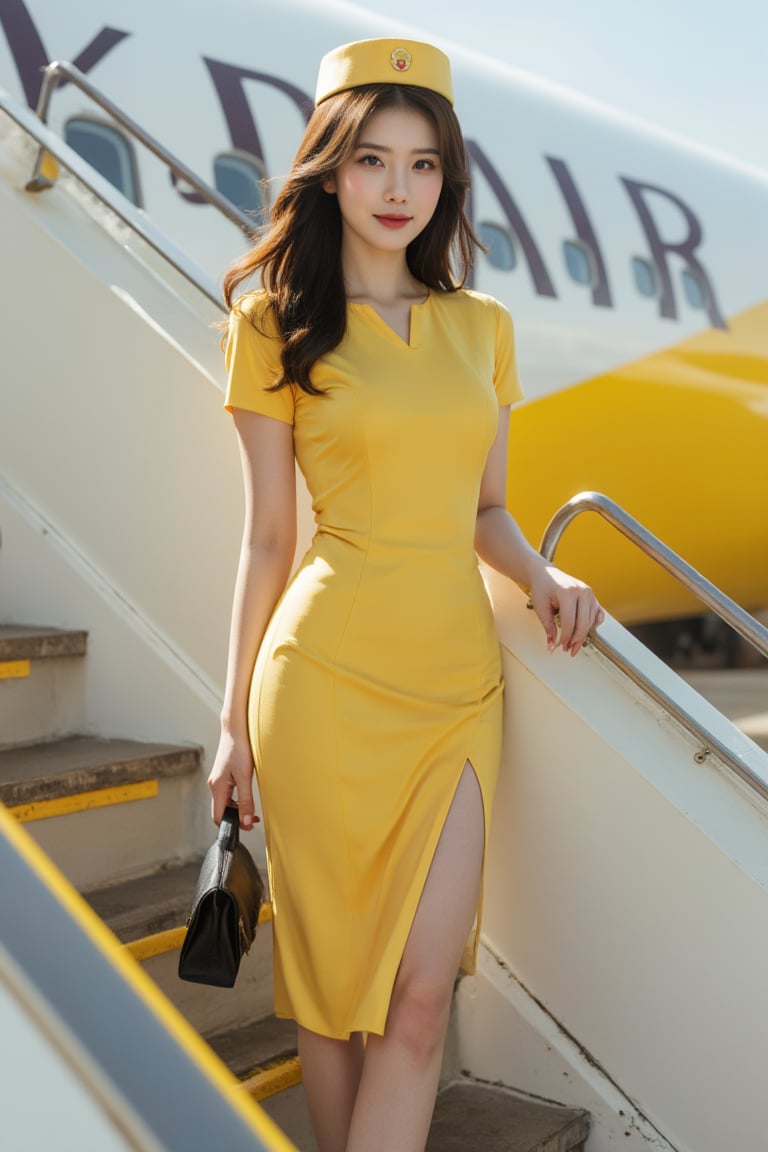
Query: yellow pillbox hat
384, 62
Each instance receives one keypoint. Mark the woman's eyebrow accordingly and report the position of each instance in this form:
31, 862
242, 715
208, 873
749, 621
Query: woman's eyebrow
384, 148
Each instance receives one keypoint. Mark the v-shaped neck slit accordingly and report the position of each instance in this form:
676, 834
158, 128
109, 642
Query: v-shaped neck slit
381, 322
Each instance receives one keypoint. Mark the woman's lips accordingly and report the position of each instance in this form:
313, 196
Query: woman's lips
394, 221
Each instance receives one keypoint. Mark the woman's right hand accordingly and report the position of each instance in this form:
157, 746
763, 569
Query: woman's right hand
232, 771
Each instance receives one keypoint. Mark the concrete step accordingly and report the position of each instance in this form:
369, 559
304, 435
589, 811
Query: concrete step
490, 1118
262, 1054
102, 809
469, 1115
147, 905
149, 913
41, 683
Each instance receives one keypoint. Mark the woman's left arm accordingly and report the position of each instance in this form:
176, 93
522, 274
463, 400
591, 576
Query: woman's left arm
499, 541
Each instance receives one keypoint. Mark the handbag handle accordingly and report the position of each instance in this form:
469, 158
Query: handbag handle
229, 829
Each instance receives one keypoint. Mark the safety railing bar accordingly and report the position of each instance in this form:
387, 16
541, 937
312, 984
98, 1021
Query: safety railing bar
724, 607
115, 201
59, 68
707, 738
727, 609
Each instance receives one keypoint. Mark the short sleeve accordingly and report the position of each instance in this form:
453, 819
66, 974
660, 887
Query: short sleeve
252, 358
505, 378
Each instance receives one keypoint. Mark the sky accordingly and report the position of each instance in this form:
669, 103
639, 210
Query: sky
698, 68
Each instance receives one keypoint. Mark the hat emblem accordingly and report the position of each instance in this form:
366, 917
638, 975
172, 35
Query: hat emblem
400, 60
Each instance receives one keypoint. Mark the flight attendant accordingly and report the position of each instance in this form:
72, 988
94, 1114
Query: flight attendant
366, 689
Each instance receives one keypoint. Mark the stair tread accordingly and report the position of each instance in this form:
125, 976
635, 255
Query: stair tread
497, 1119
467, 1115
85, 763
255, 1043
146, 904
31, 642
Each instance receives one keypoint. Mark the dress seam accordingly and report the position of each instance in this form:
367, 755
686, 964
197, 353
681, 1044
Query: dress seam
334, 666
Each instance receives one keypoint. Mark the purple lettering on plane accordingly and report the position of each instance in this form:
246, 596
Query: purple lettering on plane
228, 81
539, 274
30, 55
601, 291
685, 248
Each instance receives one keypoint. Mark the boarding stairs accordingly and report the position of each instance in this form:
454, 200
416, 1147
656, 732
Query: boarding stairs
107, 813
109, 722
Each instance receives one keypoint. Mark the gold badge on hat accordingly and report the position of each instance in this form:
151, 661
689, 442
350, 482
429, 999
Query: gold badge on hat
400, 60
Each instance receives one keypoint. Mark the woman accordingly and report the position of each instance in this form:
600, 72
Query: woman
368, 690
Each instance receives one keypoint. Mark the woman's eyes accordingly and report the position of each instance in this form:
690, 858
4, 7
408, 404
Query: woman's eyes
371, 160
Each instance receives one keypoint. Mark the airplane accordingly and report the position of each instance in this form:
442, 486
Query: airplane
632, 262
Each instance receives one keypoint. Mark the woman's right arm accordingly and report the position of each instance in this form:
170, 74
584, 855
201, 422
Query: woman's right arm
266, 556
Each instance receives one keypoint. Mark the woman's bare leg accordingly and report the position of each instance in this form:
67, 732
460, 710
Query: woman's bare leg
396, 1097
331, 1073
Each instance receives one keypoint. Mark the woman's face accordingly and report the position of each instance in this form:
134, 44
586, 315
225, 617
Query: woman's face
389, 186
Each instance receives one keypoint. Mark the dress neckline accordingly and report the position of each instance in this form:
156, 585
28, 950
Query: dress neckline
379, 320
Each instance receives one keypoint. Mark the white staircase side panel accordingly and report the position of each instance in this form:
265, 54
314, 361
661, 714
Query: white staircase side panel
120, 493
112, 433
114, 428
503, 1034
627, 893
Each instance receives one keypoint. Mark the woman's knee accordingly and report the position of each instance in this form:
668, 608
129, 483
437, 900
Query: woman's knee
418, 1014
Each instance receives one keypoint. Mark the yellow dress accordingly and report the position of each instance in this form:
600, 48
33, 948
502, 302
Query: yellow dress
379, 675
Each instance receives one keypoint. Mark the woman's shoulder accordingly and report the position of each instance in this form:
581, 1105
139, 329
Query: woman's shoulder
474, 308
256, 308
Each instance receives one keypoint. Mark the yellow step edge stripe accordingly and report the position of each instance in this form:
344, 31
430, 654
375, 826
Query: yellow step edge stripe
82, 801
273, 1078
14, 669
172, 938
156, 944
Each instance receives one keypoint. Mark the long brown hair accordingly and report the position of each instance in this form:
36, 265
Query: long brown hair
300, 256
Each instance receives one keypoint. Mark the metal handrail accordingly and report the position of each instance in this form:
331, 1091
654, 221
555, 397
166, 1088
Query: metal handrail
708, 593
40, 181
101, 188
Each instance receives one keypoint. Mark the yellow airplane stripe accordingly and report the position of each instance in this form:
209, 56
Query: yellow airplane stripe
653, 434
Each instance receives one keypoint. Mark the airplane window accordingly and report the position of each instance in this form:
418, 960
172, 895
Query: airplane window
501, 250
694, 290
108, 151
577, 262
645, 276
239, 178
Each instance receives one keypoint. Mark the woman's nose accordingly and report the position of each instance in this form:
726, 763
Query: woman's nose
397, 191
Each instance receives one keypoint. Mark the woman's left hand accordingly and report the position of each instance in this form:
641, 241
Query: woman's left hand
556, 598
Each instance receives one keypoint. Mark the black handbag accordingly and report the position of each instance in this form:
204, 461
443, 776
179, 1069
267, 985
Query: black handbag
225, 910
